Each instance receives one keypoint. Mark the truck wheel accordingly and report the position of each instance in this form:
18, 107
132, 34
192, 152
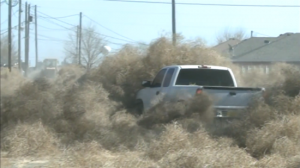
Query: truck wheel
139, 107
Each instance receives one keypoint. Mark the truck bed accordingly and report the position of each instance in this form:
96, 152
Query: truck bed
224, 98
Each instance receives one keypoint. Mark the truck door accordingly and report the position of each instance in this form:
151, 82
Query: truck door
155, 89
167, 83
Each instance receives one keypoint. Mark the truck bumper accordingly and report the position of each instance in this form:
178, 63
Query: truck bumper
229, 112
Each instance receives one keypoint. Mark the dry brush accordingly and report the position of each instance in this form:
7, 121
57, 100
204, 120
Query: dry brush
87, 115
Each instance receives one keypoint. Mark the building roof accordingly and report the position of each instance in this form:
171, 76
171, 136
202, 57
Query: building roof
224, 48
284, 48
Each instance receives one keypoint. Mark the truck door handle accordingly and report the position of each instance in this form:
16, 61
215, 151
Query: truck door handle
157, 92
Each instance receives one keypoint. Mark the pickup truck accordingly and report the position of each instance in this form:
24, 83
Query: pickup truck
182, 82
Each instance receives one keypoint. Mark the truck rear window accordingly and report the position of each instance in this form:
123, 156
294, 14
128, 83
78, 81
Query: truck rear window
204, 77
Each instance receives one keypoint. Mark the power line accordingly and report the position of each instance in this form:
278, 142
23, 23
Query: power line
7, 18
116, 43
109, 29
113, 37
55, 39
54, 18
13, 27
109, 37
52, 40
4, 32
15, 14
204, 4
60, 16
261, 34
58, 24
52, 28
48, 37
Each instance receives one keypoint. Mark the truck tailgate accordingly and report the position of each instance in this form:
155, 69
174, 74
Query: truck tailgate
232, 96
223, 97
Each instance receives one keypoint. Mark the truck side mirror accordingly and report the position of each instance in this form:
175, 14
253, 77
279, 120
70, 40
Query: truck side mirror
146, 83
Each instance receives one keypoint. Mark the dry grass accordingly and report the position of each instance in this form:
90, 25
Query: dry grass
5, 162
199, 108
121, 74
283, 77
10, 81
32, 101
96, 156
280, 136
86, 117
178, 148
30, 139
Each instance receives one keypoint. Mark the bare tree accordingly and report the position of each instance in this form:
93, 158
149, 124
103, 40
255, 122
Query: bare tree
4, 52
230, 33
92, 48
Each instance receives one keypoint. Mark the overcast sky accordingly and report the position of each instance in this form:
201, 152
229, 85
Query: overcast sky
143, 22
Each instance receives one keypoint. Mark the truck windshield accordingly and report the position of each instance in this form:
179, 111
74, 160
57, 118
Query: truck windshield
204, 77
49, 63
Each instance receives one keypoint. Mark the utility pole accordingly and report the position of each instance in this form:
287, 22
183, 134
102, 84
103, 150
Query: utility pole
36, 40
174, 22
28, 33
19, 35
25, 39
80, 31
77, 41
28, 19
9, 35
0, 31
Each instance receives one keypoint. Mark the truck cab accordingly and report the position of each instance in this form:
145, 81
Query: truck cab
182, 82
50, 67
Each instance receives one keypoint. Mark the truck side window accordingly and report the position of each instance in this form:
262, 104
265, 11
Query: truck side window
159, 78
168, 77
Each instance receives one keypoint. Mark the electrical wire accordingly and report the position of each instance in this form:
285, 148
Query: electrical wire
61, 16
4, 32
204, 4
58, 24
261, 34
109, 37
54, 18
14, 14
52, 28
52, 38
7, 18
109, 42
109, 29
113, 37
13, 27
45, 18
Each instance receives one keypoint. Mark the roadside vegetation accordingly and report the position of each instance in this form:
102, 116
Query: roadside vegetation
86, 119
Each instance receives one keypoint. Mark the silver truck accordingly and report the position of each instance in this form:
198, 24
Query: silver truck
182, 82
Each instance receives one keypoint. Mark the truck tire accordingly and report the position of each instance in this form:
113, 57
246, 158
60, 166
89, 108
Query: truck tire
139, 107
